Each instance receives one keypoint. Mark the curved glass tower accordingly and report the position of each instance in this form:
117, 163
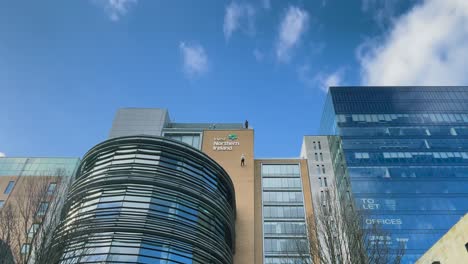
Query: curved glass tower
143, 199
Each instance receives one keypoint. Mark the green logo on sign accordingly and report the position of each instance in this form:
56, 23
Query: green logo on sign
232, 136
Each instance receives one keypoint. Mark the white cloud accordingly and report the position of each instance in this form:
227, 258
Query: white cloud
258, 55
321, 80
426, 46
194, 58
238, 16
332, 79
2, 155
115, 9
291, 29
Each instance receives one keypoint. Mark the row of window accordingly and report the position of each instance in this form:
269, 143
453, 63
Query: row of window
286, 245
284, 228
400, 132
323, 181
317, 156
401, 94
11, 184
280, 170
409, 157
287, 183
413, 118
317, 145
135, 253
410, 172
285, 260
282, 197
404, 144
400, 107
153, 160
419, 118
283, 212
320, 169
192, 139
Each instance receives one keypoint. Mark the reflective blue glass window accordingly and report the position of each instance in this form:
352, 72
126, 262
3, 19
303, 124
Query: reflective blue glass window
407, 155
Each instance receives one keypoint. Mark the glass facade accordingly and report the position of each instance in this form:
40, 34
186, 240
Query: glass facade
407, 154
192, 139
284, 222
149, 200
38, 166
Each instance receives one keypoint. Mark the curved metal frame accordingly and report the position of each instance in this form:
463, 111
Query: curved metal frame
143, 199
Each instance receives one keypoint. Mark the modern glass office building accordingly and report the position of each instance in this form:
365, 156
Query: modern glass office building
407, 154
149, 199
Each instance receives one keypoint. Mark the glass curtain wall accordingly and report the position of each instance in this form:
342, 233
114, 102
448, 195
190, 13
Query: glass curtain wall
192, 139
149, 200
284, 225
407, 153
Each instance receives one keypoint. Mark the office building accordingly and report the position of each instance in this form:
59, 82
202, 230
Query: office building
283, 206
407, 155
27, 187
160, 191
452, 248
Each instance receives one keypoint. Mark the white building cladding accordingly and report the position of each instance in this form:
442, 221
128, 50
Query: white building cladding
327, 167
330, 188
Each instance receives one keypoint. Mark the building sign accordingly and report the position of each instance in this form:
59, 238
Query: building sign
225, 143
369, 204
383, 221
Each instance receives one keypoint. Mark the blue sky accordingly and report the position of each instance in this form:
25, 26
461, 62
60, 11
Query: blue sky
67, 66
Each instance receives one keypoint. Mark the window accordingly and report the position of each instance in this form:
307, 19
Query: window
325, 181
2, 202
316, 157
51, 188
32, 230
319, 146
321, 183
321, 157
466, 247
25, 248
315, 145
323, 169
9, 187
192, 139
283, 210
436, 262
318, 169
42, 208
